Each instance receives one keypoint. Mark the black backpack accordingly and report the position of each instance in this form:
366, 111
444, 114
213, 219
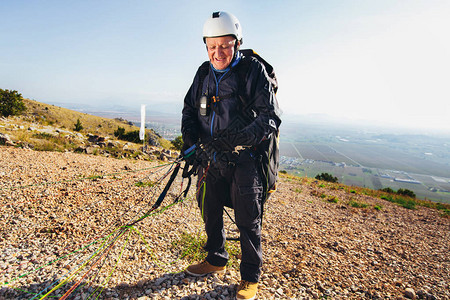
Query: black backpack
268, 149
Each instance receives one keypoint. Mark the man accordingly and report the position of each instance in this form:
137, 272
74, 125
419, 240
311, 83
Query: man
229, 109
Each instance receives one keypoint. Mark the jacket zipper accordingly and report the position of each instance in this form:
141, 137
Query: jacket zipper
217, 95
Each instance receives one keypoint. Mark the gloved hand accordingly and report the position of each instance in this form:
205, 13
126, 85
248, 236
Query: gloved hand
202, 156
194, 157
189, 157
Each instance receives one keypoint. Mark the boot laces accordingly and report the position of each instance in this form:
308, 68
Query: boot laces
244, 285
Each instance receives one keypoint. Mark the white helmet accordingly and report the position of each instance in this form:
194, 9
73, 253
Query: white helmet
221, 24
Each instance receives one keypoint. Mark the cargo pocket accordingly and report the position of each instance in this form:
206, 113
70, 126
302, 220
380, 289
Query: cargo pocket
249, 212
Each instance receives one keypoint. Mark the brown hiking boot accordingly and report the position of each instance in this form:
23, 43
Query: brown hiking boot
247, 290
204, 268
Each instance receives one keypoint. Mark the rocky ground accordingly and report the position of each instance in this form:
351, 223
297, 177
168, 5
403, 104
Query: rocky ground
62, 234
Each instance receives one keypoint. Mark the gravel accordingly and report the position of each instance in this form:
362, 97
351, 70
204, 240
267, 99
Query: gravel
58, 209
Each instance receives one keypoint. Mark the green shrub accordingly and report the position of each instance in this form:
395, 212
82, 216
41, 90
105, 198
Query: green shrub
49, 142
177, 143
119, 132
144, 183
388, 198
333, 199
191, 248
406, 192
388, 190
131, 136
356, 204
11, 103
78, 126
43, 135
326, 177
406, 203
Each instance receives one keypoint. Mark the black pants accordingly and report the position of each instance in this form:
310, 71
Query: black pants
239, 186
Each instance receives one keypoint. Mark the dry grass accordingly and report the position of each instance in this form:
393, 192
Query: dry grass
37, 126
64, 118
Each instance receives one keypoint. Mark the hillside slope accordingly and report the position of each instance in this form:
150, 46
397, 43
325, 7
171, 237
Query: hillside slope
48, 127
58, 209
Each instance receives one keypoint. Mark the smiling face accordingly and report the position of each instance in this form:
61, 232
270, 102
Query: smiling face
220, 51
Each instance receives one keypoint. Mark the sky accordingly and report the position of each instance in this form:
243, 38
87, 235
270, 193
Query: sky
381, 61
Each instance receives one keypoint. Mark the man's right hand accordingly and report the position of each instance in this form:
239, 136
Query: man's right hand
194, 156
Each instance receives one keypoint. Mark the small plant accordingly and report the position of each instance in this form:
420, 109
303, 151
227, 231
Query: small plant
356, 204
388, 198
283, 171
326, 177
191, 246
145, 183
297, 190
403, 202
406, 203
43, 135
333, 199
378, 207
78, 127
445, 212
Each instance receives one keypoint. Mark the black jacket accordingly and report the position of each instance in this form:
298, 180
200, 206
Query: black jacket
246, 103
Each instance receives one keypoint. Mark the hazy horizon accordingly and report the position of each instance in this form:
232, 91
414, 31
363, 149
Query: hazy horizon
173, 109
386, 62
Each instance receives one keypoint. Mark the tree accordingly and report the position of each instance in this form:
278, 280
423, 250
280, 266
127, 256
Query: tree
177, 143
120, 132
406, 192
327, 177
131, 136
78, 126
11, 103
388, 190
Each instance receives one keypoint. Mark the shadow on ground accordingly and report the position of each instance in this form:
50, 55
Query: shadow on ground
167, 286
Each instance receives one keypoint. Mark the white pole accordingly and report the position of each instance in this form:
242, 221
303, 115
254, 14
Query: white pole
142, 131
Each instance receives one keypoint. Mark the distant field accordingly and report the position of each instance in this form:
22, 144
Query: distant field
365, 163
379, 156
313, 151
372, 156
364, 177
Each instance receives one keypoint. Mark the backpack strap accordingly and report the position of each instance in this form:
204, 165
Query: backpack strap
269, 69
203, 71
